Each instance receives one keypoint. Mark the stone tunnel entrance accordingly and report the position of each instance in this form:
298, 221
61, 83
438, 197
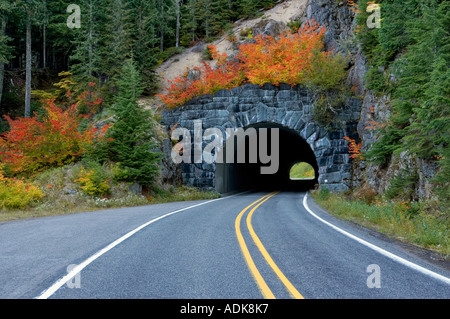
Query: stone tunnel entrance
284, 149
301, 139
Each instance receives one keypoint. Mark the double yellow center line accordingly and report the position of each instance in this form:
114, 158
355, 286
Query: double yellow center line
265, 290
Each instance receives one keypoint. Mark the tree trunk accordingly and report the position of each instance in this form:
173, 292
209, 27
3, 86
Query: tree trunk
162, 27
28, 66
44, 37
2, 63
207, 17
44, 53
177, 12
90, 48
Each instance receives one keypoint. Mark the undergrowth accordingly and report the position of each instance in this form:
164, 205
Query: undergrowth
424, 223
88, 186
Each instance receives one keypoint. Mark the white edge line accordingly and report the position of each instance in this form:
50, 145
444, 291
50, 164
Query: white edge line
380, 250
59, 283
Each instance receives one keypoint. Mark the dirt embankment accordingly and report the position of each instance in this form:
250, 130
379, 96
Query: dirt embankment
284, 12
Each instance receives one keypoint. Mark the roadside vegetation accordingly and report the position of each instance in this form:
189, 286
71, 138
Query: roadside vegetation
82, 186
408, 58
76, 155
423, 223
302, 170
293, 57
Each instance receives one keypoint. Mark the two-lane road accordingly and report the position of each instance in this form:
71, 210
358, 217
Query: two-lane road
251, 245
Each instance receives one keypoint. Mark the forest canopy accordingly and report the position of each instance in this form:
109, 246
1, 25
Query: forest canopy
35, 36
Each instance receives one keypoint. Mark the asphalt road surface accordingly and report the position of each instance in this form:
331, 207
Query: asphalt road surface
251, 245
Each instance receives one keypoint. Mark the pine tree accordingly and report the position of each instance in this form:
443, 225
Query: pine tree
141, 20
117, 41
189, 22
133, 141
87, 59
5, 48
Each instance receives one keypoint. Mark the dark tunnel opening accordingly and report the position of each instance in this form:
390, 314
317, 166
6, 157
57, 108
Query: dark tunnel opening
239, 174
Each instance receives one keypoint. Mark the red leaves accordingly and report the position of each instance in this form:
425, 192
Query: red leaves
225, 76
354, 149
286, 59
32, 145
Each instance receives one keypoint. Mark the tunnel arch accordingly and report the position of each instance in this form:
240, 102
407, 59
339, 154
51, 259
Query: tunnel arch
285, 106
292, 148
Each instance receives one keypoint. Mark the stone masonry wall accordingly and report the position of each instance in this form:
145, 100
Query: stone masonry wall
288, 106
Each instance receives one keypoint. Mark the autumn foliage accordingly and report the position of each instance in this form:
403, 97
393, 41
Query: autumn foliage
354, 149
17, 193
33, 144
288, 59
225, 76
292, 58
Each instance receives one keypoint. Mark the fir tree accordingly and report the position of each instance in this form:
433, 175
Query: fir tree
117, 41
87, 58
140, 17
132, 133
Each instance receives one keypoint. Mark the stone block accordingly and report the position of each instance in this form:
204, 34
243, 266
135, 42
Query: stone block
261, 112
335, 188
322, 143
285, 86
236, 91
224, 99
269, 87
300, 124
284, 95
222, 93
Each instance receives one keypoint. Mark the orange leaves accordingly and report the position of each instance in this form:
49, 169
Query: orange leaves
353, 6
289, 58
32, 145
225, 76
354, 149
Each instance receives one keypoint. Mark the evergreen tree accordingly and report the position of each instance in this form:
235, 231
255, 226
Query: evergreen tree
429, 60
420, 119
59, 38
189, 23
87, 58
132, 133
117, 41
141, 20
5, 47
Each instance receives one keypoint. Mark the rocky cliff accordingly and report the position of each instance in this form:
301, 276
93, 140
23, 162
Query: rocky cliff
340, 23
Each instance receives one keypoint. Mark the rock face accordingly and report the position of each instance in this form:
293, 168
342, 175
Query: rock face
268, 27
289, 107
340, 24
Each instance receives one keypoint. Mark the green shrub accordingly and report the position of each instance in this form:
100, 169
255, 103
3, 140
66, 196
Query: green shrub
93, 180
376, 80
402, 185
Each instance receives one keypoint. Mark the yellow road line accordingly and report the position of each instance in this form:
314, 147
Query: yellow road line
294, 293
265, 290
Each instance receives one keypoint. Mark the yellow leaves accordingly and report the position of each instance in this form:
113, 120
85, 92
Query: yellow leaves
91, 184
17, 193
